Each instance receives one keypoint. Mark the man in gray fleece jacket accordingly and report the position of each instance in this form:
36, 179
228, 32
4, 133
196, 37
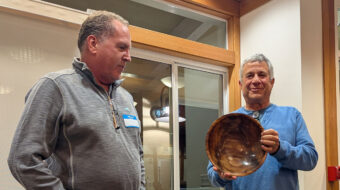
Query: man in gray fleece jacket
79, 128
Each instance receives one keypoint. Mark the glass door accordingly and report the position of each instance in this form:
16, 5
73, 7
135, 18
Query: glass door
200, 103
176, 101
145, 80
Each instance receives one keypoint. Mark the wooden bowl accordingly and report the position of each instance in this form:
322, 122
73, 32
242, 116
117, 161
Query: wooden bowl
233, 144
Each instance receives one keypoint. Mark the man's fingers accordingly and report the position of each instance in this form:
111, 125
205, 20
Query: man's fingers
270, 137
228, 176
269, 132
224, 175
269, 142
216, 169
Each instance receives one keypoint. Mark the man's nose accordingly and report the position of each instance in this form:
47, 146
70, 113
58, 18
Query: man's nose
256, 79
127, 56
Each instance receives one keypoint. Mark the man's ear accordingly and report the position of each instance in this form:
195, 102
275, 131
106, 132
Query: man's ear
273, 81
92, 43
239, 82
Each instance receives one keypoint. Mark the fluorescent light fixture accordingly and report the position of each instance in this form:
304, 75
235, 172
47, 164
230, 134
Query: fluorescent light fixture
129, 75
167, 82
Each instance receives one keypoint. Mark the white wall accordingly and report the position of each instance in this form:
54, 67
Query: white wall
312, 86
293, 44
28, 50
273, 30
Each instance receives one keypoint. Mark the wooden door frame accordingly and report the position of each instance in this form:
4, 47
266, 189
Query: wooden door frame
330, 95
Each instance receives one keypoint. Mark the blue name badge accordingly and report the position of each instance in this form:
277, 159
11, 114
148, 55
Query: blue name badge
130, 121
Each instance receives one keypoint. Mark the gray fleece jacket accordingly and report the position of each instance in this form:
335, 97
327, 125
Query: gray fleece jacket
67, 139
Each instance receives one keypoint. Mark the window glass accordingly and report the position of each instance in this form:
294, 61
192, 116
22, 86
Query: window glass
162, 17
200, 97
143, 79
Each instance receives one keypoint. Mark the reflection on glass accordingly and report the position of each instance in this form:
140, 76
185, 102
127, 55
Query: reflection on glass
162, 17
143, 81
200, 101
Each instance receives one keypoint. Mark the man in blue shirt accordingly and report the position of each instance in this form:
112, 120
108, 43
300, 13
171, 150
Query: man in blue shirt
285, 136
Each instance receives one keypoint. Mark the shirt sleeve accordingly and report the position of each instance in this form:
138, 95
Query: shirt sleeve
36, 136
299, 156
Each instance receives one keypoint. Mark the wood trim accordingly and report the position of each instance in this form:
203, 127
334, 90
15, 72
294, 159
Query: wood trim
248, 5
330, 99
200, 8
234, 45
172, 45
43, 11
225, 7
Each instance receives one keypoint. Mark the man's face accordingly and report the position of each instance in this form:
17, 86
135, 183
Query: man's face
112, 54
255, 83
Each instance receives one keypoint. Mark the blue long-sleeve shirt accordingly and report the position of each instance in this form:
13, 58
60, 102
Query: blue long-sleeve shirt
279, 171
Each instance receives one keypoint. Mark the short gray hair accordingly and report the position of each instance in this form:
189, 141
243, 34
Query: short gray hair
99, 24
260, 58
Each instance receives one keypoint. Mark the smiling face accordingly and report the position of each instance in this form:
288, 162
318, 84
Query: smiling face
256, 84
111, 54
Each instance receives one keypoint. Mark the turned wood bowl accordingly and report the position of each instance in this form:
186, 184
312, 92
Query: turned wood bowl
233, 144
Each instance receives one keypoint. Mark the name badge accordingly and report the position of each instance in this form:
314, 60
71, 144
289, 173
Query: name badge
130, 121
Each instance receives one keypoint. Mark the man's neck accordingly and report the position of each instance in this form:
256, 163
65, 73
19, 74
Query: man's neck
106, 87
256, 106
88, 62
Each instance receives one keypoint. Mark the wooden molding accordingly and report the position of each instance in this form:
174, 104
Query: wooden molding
234, 45
226, 7
200, 8
248, 5
172, 45
44, 11
330, 98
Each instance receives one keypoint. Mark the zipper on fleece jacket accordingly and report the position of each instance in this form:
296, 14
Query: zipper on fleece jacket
113, 112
